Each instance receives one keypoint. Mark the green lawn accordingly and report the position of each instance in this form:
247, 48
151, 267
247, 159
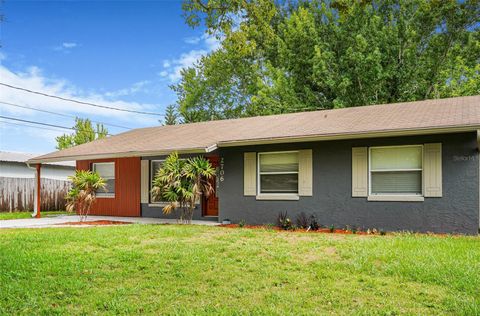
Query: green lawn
19, 215
171, 269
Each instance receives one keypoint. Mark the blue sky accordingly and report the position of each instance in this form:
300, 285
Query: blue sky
115, 53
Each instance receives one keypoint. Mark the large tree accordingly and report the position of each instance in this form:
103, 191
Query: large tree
84, 133
279, 57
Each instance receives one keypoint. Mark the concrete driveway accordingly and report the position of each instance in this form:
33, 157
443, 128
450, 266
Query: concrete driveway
57, 221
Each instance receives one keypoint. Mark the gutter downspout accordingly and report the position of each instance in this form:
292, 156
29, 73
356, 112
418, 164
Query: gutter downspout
36, 196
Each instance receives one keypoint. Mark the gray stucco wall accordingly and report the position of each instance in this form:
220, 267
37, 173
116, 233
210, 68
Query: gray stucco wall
456, 212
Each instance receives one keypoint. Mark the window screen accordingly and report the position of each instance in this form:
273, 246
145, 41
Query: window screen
278, 172
396, 170
106, 170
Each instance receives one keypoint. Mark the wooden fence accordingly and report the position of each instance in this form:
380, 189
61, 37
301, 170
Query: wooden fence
18, 194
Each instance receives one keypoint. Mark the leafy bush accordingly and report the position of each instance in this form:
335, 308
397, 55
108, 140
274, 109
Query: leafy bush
241, 223
314, 225
372, 231
354, 229
269, 226
283, 221
351, 228
332, 228
182, 183
302, 220
82, 195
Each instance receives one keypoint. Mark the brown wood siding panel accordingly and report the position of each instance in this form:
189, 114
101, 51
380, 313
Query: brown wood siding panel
127, 188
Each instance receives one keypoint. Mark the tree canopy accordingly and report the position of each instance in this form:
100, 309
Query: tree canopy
84, 133
280, 56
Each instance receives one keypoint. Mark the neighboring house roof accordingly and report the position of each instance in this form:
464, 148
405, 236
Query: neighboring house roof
408, 118
10, 156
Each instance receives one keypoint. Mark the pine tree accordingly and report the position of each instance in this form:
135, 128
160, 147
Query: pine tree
171, 115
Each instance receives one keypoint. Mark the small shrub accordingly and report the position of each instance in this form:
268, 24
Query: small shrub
314, 223
382, 232
302, 220
332, 228
354, 229
269, 226
283, 221
241, 223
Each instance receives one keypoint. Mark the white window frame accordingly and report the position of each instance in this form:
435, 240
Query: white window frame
274, 196
151, 175
394, 196
101, 194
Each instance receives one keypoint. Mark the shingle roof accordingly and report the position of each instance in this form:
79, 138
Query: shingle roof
421, 117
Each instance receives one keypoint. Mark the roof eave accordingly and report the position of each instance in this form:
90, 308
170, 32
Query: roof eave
38, 160
374, 134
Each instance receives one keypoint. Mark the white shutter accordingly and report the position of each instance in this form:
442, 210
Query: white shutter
432, 170
359, 172
144, 181
250, 174
305, 172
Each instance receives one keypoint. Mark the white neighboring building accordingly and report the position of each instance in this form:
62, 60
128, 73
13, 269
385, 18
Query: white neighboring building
13, 165
17, 183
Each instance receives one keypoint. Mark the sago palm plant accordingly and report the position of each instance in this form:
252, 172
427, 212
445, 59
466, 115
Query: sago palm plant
182, 183
83, 193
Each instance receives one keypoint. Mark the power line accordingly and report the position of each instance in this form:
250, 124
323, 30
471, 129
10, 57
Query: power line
59, 114
79, 102
39, 127
44, 124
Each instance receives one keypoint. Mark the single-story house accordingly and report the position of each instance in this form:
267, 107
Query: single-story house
405, 166
17, 182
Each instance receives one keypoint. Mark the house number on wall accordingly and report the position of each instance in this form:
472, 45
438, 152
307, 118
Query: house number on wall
221, 172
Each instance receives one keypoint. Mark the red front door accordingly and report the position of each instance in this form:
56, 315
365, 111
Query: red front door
210, 204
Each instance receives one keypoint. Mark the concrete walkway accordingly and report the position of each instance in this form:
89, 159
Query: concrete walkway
57, 221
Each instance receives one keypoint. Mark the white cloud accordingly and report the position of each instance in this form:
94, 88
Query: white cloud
135, 88
211, 42
69, 44
172, 68
66, 47
192, 40
184, 61
33, 79
166, 64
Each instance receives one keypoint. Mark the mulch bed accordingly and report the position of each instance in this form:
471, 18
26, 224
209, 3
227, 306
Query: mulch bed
301, 230
96, 223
